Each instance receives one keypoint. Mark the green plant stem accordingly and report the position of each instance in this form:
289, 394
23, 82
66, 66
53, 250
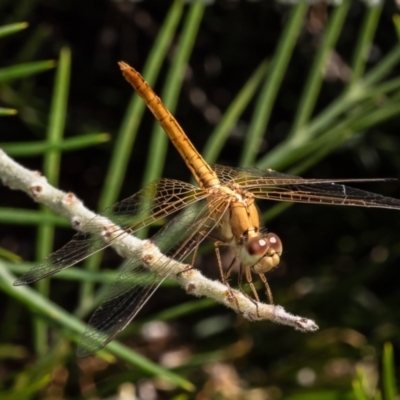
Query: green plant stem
218, 137
272, 84
19, 216
9, 74
51, 167
12, 28
313, 84
29, 149
73, 328
388, 373
363, 46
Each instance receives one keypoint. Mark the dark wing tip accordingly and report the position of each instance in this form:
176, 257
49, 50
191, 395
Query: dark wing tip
28, 278
82, 352
89, 346
23, 280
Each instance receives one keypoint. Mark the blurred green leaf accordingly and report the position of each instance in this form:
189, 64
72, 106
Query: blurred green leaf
7, 111
321, 395
388, 373
30, 217
28, 149
396, 23
8, 255
349, 123
37, 303
10, 29
359, 386
219, 136
9, 74
272, 84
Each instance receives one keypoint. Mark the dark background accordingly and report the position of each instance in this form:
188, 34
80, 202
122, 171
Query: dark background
339, 265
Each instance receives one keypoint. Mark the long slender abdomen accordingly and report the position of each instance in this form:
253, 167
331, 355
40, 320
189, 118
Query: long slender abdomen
201, 171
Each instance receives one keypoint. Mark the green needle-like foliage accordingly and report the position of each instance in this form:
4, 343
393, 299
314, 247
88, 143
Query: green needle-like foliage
368, 99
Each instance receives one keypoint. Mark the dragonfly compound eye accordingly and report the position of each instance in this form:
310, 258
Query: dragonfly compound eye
269, 249
257, 246
275, 244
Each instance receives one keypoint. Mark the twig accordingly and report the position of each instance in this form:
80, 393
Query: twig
68, 205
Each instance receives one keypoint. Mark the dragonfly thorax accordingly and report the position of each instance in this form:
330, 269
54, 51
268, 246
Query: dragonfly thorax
240, 219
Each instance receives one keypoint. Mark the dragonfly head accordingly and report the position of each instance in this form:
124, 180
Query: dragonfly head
267, 250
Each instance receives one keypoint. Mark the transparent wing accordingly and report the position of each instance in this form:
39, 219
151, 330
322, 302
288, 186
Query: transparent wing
272, 185
154, 202
135, 285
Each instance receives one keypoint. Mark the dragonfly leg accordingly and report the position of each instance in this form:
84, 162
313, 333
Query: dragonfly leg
240, 281
229, 269
225, 275
249, 280
267, 288
196, 249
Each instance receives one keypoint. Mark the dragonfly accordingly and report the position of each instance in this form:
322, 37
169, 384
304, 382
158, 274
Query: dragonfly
222, 206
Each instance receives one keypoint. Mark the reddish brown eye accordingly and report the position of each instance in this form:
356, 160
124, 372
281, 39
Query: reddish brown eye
257, 246
274, 242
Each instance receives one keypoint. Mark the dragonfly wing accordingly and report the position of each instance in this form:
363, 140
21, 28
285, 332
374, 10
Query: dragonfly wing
125, 299
154, 202
248, 177
272, 185
226, 174
134, 286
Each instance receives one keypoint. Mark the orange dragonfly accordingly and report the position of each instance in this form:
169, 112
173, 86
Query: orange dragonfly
222, 206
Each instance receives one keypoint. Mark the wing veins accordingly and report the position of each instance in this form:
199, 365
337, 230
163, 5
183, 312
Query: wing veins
81, 246
343, 195
136, 298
